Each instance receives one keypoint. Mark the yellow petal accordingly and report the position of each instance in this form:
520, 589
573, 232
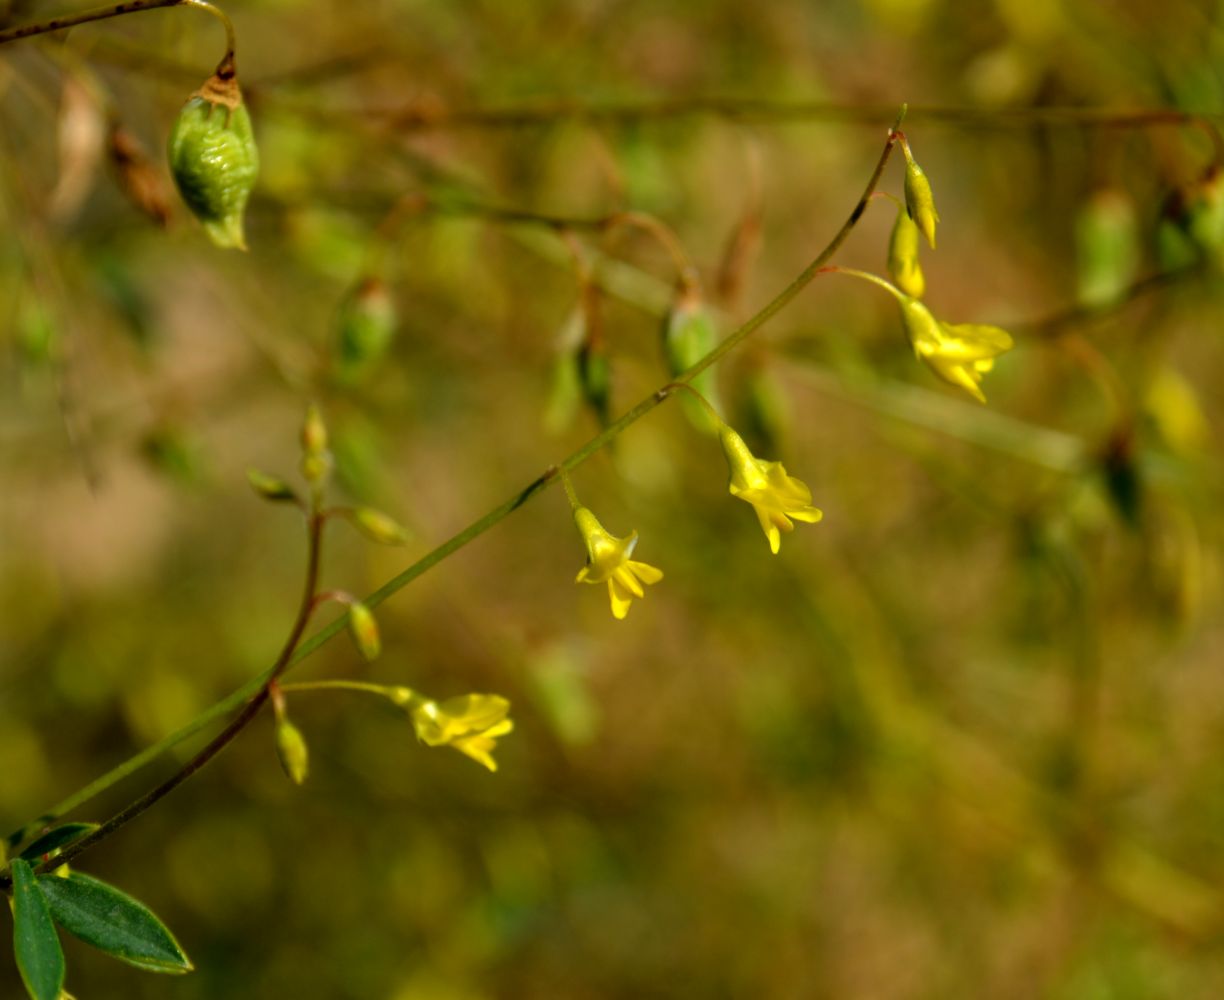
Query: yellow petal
620, 599
626, 579
808, 515
769, 527
645, 572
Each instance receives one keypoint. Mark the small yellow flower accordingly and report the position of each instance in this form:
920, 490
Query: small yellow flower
608, 560
470, 723
775, 496
958, 354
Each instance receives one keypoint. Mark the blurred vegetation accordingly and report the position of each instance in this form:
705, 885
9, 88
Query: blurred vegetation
963, 738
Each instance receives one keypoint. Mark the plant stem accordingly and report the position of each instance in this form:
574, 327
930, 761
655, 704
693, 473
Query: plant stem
709, 407
295, 649
337, 685
236, 725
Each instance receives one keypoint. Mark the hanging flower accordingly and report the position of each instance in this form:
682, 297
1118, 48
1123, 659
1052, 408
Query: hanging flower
470, 723
608, 560
959, 354
775, 496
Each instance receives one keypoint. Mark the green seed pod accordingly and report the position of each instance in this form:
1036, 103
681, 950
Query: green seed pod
565, 389
214, 162
596, 375
688, 335
366, 325
1106, 248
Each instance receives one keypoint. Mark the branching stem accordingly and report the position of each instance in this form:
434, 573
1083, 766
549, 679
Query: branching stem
256, 692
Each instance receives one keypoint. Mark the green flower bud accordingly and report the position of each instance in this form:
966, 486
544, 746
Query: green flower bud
316, 459
292, 751
365, 631
367, 322
314, 432
919, 201
270, 487
214, 162
378, 527
903, 265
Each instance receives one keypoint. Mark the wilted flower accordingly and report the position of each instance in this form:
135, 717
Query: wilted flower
775, 496
470, 723
608, 560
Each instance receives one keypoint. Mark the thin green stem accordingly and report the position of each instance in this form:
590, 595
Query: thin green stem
225, 68
709, 407
875, 279
336, 685
295, 651
236, 725
569, 489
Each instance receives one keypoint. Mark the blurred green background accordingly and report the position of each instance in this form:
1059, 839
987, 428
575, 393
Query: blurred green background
965, 738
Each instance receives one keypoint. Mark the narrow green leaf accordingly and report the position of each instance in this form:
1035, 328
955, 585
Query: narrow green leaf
112, 921
54, 840
40, 960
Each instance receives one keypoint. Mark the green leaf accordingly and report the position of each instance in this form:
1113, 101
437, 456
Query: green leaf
40, 960
101, 915
54, 840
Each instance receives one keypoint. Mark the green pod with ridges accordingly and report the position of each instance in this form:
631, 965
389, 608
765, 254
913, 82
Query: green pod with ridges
214, 162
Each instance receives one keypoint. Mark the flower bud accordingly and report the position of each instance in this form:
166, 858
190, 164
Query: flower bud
903, 265
919, 202
292, 751
214, 162
378, 527
365, 631
270, 487
314, 431
367, 322
316, 463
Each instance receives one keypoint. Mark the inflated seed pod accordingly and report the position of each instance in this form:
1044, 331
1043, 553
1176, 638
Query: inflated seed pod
214, 162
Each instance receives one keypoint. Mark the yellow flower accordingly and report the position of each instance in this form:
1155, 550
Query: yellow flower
775, 496
957, 354
608, 560
470, 723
